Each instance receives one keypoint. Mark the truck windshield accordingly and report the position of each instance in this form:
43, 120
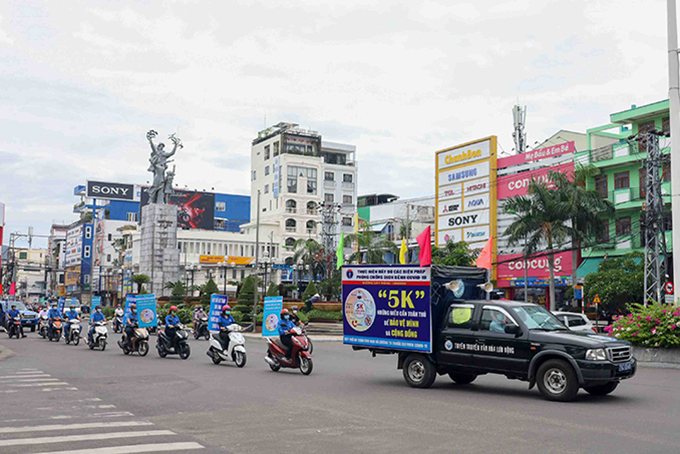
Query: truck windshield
537, 317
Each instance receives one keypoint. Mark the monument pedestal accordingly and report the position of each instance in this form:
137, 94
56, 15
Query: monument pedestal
159, 254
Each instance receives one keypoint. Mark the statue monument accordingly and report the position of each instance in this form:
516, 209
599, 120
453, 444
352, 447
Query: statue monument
159, 254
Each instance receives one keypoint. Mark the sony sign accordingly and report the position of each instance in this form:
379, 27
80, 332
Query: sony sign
111, 191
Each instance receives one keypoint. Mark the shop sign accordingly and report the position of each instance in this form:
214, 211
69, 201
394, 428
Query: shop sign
536, 155
511, 266
518, 184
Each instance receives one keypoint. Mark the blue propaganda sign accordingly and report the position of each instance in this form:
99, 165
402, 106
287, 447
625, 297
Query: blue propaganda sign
270, 317
96, 301
216, 303
387, 307
146, 311
61, 304
129, 299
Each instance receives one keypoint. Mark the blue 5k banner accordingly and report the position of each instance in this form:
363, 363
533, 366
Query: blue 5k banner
61, 304
270, 317
146, 311
216, 303
129, 299
387, 307
96, 301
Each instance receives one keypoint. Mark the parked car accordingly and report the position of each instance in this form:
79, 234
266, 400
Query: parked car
29, 318
575, 321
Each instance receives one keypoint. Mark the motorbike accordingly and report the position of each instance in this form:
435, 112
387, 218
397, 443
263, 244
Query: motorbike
236, 351
140, 343
56, 330
43, 326
13, 327
300, 356
117, 324
201, 328
73, 332
99, 336
165, 347
309, 341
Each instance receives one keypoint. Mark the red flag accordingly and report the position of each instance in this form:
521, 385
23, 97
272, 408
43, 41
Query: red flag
13, 288
484, 259
425, 255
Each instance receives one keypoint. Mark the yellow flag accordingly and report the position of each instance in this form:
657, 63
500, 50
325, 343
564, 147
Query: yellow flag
403, 251
356, 222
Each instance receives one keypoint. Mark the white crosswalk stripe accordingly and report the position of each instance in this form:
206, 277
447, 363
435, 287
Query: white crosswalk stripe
134, 449
88, 437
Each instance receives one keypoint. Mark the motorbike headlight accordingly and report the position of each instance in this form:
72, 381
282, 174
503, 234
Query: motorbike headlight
597, 354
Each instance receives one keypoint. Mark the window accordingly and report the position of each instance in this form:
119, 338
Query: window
330, 198
642, 173
266, 152
291, 206
311, 208
23, 255
495, 319
276, 148
220, 206
292, 184
667, 221
108, 258
642, 128
460, 316
601, 185
622, 180
347, 177
347, 221
233, 274
603, 237
666, 172
88, 232
110, 237
243, 274
132, 217
220, 224
623, 226
666, 125
291, 225
347, 199
575, 320
266, 189
329, 176
311, 226
311, 187
266, 170
86, 252
290, 242
254, 175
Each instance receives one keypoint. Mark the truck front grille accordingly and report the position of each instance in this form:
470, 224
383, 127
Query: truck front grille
620, 354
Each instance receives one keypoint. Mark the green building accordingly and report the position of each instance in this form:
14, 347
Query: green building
622, 167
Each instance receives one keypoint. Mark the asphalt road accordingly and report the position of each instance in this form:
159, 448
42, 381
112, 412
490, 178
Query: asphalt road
351, 403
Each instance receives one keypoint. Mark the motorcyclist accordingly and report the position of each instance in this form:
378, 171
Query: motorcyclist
293, 315
225, 320
285, 334
119, 311
130, 325
43, 312
118, 314
97, 316
69, 315
53, 315
14, 313
198, 314
171, 324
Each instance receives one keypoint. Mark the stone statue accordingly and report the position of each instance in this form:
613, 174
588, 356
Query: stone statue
161, 188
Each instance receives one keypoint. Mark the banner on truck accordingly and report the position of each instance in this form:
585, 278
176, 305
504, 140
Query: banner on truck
146, 311
96, 301
61, 304
387, 307
216, 304
273, 305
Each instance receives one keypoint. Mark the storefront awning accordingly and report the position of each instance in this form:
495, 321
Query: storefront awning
588, 266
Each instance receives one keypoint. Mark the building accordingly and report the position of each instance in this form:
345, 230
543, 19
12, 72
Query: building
56, 252
297, 176
621, 181
30, 273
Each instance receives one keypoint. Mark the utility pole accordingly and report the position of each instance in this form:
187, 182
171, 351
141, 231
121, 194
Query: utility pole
256, 296
674, 95
328, 232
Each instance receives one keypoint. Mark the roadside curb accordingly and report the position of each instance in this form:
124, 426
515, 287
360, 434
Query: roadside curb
653, 365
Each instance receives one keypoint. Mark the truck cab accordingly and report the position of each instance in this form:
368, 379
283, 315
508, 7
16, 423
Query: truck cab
522, 341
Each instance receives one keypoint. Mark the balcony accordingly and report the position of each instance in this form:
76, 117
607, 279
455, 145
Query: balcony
329, 183
290, 229
347, 185
291, 210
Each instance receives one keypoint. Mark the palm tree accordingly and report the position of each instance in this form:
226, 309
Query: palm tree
140, 280
310, 253
542, 217
372, 248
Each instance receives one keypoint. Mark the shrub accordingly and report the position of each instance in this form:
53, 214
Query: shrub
108, 312
316, 314
304, 318
179, 291
273, 290
208, 289
184, 315
310, 291
657, 325
246, 297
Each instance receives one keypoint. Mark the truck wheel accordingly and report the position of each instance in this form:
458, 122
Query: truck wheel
419, 372
462, 379
601, 390
557, 380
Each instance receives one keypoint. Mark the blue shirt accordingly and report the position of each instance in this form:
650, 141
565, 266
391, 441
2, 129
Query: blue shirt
13, 313
53, 313
97, 317
171, 320
131, 319
223, 322
285, 325
71, 315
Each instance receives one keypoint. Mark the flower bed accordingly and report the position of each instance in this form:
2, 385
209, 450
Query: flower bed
657, 325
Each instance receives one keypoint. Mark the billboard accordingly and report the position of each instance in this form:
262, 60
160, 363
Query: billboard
228, 260
72, 276
466, 192
196, 210
113, 191
387, 307
511, 266
537, 155
518, 184
277, 176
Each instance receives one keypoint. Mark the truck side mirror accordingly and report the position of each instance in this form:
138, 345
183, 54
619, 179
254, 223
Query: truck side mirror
513, 329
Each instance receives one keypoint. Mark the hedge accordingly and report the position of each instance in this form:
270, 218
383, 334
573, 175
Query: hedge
657, 325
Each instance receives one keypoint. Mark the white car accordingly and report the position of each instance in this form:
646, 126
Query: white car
576, 322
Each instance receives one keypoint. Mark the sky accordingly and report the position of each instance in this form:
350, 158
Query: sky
82, 82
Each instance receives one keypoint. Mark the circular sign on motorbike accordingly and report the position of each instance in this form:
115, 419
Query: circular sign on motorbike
147, 316
360, 309
271, 322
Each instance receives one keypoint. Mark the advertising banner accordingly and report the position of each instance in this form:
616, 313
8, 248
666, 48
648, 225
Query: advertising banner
460, 174
518, 184
61, 304
112, 191
273, 305
195, 210
129, 299
536, 155
463, 155
146, 311
96, 301
511, 266
277, 177
211, 259
216, 304
387, 307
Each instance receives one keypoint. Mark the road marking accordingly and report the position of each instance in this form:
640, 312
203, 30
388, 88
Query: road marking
59, 389
25, 376
110, 414
90, 425
88, 437
134, 449
22, 380
8, 391
26, 385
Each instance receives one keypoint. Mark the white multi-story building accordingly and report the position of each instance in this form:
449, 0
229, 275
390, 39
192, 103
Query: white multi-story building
56, 253
295, 173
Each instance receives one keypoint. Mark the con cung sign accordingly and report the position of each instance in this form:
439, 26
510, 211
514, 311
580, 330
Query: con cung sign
518, 184
511, 266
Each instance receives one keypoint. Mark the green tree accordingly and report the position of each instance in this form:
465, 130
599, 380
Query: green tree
207, 290
179, 292
310, 291
273, 289
332, 287
454, 254
311, 254
140, 280
618, 281
372, 248
246, 299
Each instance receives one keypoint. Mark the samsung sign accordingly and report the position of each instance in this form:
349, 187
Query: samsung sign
112, 191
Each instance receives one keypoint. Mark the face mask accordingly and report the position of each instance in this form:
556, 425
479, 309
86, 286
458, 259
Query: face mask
99, 310
286, 317
227, 313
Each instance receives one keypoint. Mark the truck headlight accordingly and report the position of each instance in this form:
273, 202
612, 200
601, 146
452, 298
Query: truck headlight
597, 354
